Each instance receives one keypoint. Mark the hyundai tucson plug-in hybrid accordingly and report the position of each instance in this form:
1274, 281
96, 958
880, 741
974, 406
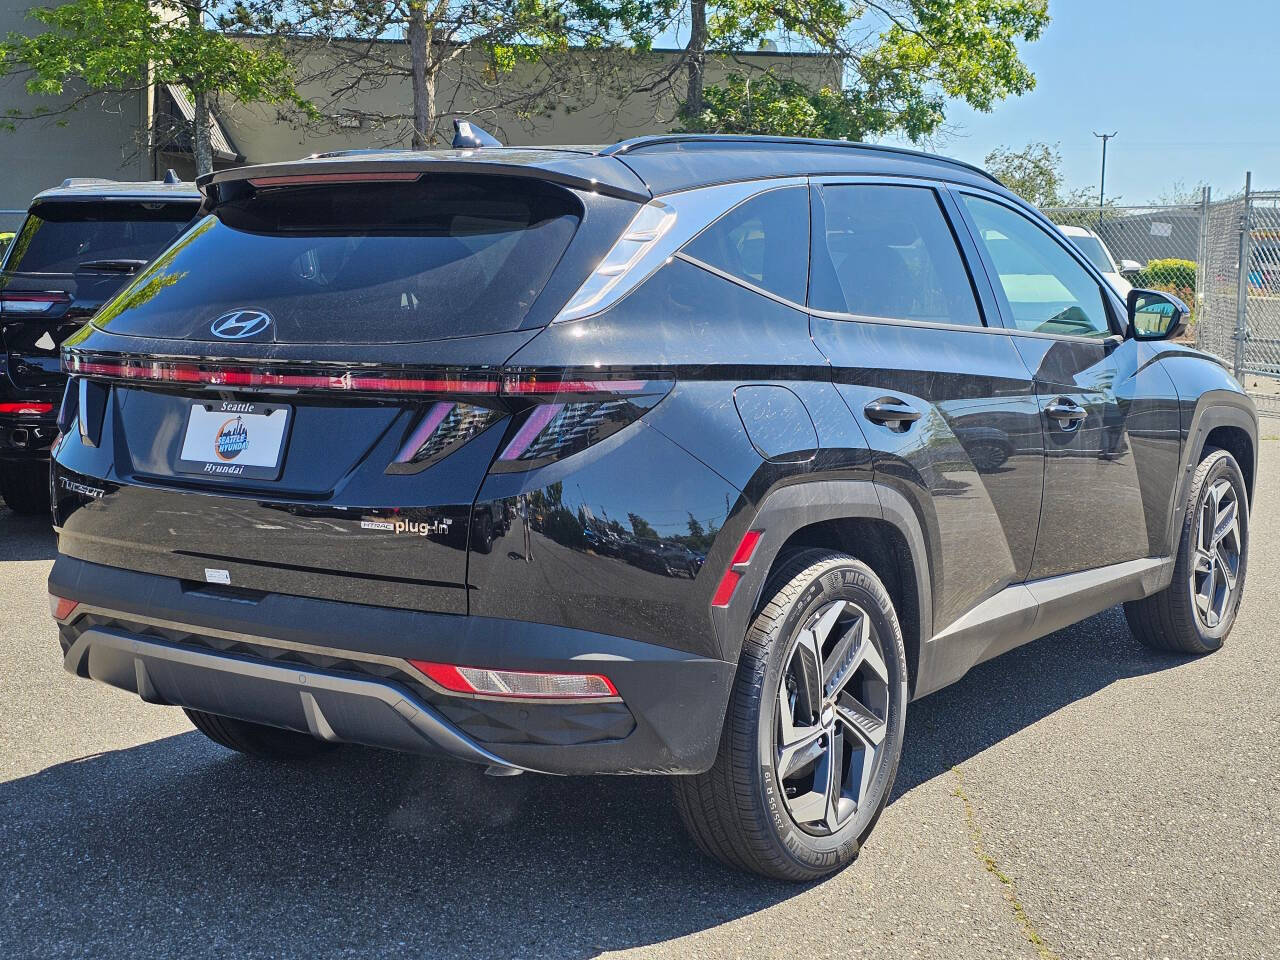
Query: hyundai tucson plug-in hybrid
77, 246
689, 455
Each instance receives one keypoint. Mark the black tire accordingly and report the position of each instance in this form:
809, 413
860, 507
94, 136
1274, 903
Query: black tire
25, 487
1171, 619
257, 739
740, 811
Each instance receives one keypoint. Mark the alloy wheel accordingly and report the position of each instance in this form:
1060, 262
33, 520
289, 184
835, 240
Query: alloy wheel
1215, 566
833, 703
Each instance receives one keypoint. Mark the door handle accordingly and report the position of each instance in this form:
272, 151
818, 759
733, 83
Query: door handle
1066, 412
892, 413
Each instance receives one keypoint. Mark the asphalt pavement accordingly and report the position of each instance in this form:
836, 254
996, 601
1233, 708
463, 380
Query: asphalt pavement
1078, 797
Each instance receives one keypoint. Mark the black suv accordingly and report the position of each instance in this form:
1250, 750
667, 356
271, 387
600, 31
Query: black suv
693, 456
79, 243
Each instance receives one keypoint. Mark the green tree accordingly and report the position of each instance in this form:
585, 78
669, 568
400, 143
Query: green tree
115, 47
462, 54
1035, 174
903, 61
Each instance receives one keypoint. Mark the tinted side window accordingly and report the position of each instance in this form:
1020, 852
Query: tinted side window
764, 241
885, 251
1047, 290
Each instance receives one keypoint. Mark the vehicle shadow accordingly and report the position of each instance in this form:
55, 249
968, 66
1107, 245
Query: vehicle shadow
998, 698
26, 538
178, 847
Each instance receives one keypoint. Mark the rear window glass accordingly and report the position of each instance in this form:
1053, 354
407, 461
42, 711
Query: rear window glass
369, 262
71, 236
764, 240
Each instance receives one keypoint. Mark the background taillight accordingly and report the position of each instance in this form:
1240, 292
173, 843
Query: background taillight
41, 301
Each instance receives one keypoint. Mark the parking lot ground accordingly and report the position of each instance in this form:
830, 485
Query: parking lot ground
1078, 797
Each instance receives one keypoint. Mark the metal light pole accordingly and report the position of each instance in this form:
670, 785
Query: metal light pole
1102, 187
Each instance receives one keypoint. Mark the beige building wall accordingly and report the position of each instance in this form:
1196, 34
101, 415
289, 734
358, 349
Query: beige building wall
98, 140
598, 111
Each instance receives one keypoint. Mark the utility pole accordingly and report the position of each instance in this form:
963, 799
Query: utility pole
1102, 187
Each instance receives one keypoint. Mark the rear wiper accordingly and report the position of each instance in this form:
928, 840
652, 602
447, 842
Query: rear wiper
124, 266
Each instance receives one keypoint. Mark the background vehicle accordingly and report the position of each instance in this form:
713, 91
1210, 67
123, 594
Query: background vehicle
5, 239
78, 245
1091, 245
904, 425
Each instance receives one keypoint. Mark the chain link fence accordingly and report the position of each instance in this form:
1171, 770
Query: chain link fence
1194, 251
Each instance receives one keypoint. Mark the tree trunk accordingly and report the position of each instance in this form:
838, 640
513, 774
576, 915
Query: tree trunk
696, 52
202, 142
424, 85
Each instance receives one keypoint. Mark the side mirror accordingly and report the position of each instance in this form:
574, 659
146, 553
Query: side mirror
1129, 266
1155, 316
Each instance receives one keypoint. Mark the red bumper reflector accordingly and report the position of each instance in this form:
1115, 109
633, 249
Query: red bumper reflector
741, 557
26, 408
517, 684
62, 608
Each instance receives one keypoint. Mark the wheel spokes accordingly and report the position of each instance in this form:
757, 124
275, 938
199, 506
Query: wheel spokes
830, 733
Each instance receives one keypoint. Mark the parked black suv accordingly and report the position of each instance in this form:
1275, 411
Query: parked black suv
695, 456
78, 245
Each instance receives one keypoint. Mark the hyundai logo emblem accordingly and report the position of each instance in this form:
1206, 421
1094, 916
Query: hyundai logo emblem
240, 324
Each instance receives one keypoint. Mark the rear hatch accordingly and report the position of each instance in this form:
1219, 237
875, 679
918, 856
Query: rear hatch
302, 394
67, 260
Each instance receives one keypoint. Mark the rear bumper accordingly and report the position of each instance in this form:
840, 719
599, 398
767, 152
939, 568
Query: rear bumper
26, 437
339, 671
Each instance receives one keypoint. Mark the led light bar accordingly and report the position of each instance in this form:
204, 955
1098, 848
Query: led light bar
517, 684
26, 407
303, 179
32, 302
227, 375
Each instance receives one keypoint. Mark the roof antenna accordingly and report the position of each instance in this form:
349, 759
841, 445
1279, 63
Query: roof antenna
171, 176
466, 135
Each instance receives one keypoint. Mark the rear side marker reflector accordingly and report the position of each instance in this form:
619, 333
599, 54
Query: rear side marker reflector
741, 557
62, 608
26, 408
517, 684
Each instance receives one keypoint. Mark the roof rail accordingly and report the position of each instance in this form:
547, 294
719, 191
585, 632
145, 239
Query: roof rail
85, 181
637, 144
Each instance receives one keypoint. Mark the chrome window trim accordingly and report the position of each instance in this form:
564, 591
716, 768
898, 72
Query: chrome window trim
655, 235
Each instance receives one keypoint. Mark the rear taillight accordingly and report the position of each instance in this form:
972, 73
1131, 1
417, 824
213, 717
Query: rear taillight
22, 407
568, 413
442, 428
35, 301
517, 684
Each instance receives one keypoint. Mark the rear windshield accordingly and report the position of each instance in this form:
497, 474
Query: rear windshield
70, 236
368, 262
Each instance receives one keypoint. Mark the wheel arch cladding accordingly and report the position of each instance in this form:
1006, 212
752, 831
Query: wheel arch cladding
866, 520
1237, 442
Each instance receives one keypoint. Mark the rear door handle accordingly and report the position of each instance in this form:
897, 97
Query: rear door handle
892, 413
1065, 411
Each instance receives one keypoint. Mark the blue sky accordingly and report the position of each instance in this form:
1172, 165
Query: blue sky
1193, 90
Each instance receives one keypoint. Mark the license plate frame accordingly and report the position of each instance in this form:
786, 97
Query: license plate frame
227, 442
